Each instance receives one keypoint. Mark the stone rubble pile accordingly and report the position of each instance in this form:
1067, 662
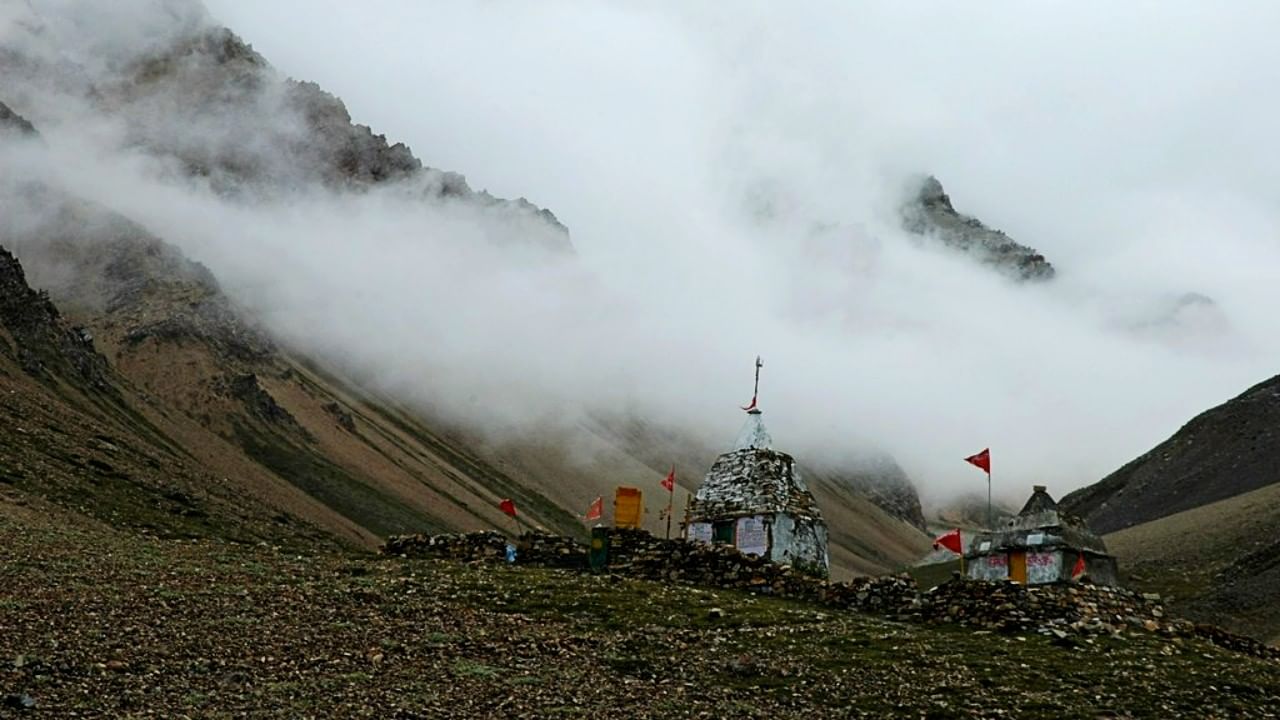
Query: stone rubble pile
1058, 611
1082, 608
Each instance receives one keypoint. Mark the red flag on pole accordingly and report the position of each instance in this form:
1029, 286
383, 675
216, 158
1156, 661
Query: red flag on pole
1078, 570
982, 460
596, 510
669, 482
951, 541
508, 507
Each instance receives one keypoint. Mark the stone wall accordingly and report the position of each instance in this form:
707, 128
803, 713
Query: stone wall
1059, 611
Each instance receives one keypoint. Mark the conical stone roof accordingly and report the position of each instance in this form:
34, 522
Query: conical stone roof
753, 435
753, 479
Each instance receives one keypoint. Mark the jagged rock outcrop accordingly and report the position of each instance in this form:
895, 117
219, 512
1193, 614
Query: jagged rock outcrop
1228, 450
43, 345
929, 212
13, 123
97, 262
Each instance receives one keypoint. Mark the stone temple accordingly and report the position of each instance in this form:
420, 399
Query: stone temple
753, 498
1041, 545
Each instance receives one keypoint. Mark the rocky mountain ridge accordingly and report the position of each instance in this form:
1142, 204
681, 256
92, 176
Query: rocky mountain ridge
208, 103
928, 212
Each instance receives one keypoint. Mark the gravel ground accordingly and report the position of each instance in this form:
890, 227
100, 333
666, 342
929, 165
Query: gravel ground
99, 623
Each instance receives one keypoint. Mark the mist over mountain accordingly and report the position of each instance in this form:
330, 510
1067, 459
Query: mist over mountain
329, 330
722, 204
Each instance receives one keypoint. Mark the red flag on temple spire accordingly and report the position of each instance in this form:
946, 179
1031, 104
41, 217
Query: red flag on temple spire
508, 506
1078, 570
669, 482
596, 510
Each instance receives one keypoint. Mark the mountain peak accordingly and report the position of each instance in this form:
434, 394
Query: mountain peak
929, 212
12, 122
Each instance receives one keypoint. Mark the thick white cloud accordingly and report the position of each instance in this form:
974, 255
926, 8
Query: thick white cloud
730, 174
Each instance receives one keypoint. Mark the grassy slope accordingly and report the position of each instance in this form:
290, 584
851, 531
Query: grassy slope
110, 461
1219, 563
98, 622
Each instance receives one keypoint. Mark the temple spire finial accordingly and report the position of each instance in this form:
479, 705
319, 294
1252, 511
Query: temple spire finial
753, 407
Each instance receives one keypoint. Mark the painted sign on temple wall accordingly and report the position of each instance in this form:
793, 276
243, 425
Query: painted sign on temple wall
991, 567
1043, 567
753, 536
700, 532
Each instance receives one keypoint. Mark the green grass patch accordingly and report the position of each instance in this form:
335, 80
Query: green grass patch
471, 669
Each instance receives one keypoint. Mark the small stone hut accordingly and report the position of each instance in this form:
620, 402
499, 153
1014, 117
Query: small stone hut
753, 498
1040, 545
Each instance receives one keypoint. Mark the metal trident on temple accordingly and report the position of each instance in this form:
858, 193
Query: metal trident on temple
755, 394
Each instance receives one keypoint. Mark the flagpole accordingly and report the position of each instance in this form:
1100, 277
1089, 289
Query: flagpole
991, 527
671, 500
688, 510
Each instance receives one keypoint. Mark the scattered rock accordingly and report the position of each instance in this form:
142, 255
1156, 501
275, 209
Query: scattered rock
20, 701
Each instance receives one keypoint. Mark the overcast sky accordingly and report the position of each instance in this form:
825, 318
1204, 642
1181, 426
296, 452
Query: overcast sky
731, 174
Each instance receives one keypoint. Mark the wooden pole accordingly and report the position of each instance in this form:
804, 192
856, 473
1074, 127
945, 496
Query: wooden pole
671, 501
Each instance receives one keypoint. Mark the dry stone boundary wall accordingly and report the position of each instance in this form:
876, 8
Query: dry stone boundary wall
1063, 612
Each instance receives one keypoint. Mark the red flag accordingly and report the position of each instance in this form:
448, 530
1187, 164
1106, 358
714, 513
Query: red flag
669, 482
751, 406
951, 541
508, 507
596, 510
982, 460
1078, 570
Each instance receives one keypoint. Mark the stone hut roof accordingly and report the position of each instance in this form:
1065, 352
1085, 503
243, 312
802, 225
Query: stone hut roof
753, 479
1039, 502
1041, 525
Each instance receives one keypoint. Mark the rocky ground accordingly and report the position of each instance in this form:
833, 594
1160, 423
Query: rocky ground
97, 623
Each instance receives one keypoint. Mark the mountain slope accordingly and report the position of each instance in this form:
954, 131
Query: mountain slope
292, 434
235, 398
1225, 451
77, 433
1218, 563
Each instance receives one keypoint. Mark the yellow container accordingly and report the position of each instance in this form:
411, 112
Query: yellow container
628, 507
